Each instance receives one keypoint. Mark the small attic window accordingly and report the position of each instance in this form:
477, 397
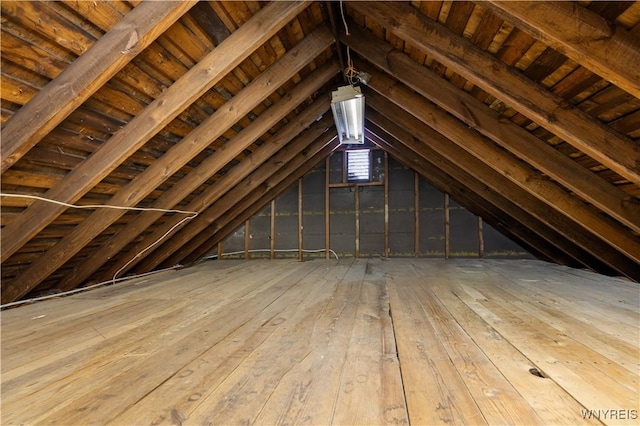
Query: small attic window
358, 165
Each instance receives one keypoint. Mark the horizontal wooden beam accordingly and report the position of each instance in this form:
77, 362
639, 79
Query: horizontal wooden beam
208, 168
539, 154
496, 180
576, 127
235, 177
594, 42
200, 78
110, 53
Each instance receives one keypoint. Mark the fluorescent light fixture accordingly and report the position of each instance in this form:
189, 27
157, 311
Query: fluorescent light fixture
347, 104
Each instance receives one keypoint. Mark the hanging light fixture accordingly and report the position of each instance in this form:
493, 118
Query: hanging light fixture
347, 104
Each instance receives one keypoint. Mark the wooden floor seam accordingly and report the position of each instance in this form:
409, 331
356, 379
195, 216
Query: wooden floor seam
345, 342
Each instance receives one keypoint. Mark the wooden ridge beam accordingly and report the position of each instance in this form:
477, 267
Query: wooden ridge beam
233, 178
546, 191
589, 186
497, 181
200, 78
576, 127
532, 230
250, 206
258, 183
180, 154
208, 168
61, 96
584, 36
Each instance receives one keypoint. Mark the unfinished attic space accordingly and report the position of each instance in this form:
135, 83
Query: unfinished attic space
320, 212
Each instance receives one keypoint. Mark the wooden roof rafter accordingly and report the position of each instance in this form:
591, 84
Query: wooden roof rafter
455, 150
181, 153
507, 134
565, 126
154, 117
210, 197
254, 202
267, 176
493, 207
521, 174
608, 50
86, 75
503, 82
206, 169
415, 140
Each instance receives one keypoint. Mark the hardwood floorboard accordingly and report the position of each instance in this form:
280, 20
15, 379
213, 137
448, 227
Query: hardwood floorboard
168, 352
550, 402
370, 389
354, 341
590, 364
435, 392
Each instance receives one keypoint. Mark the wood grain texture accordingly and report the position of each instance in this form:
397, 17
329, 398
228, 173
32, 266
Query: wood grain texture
154, 117
354, 341
507, 165
584, 36
494, 76
253, 204
490, 205
180, 154
249, 193
85, 75
523, 144
236, 176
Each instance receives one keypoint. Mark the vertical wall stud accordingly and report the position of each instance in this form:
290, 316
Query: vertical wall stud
300, 222
272, 219
357, 219
446, 226
386, 205
247, 238
344, 167
416, 214
480, 238
220, 250
327, 234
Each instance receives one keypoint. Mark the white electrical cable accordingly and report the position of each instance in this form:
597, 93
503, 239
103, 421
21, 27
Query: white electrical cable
108, 206
97, 206
213, 256
344, 21
114, 279
78, 290
153, 245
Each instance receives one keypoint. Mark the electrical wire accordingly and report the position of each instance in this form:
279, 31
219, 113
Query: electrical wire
350, 72
115, 279
96, 206
192, 214
344, 21
78, 290
152, 245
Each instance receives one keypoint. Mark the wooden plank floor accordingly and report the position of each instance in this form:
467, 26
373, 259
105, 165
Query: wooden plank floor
376, 342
